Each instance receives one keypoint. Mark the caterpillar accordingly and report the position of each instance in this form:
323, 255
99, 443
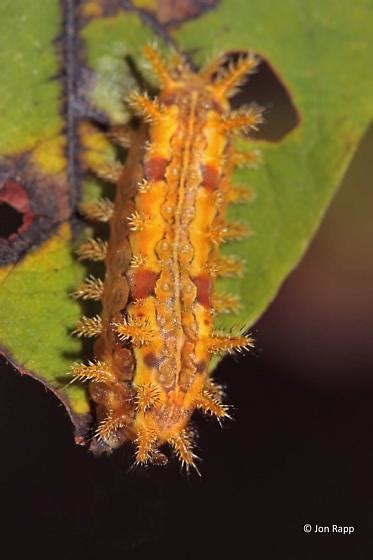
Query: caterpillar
155, 335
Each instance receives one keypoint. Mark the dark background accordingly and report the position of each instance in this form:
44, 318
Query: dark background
300, 448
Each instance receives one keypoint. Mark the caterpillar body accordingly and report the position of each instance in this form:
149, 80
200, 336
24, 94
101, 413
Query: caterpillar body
155, 334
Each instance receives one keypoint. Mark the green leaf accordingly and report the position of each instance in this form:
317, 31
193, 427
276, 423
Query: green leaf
28, 99
321, 52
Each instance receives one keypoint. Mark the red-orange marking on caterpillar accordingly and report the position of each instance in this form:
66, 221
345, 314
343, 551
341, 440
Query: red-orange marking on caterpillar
150, 370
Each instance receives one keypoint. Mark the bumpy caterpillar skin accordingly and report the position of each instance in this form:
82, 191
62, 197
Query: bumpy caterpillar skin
155, 332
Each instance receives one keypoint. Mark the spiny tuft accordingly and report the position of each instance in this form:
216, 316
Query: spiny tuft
148, 396
225, 266
136, 330
93, 371
229, 80
145, 443
93, 249
149, 109
89, 326
182, 443
219, 343
225, 303
110, 424
101, 210
110, 172
244, 119
91, 288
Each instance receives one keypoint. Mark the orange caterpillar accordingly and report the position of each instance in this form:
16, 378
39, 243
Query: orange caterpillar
155, 333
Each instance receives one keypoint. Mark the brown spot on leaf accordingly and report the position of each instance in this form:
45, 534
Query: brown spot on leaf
165, 12
177, 11
15, 213
32, 205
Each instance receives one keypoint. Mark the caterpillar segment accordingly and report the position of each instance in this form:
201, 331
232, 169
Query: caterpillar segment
155, 336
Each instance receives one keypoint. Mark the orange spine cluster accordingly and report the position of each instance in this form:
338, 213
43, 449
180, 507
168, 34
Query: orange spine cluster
155, 332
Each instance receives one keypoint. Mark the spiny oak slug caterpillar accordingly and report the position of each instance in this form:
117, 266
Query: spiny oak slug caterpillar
155, 334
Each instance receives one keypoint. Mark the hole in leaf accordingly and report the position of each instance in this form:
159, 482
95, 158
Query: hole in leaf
266, 90
10, 220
